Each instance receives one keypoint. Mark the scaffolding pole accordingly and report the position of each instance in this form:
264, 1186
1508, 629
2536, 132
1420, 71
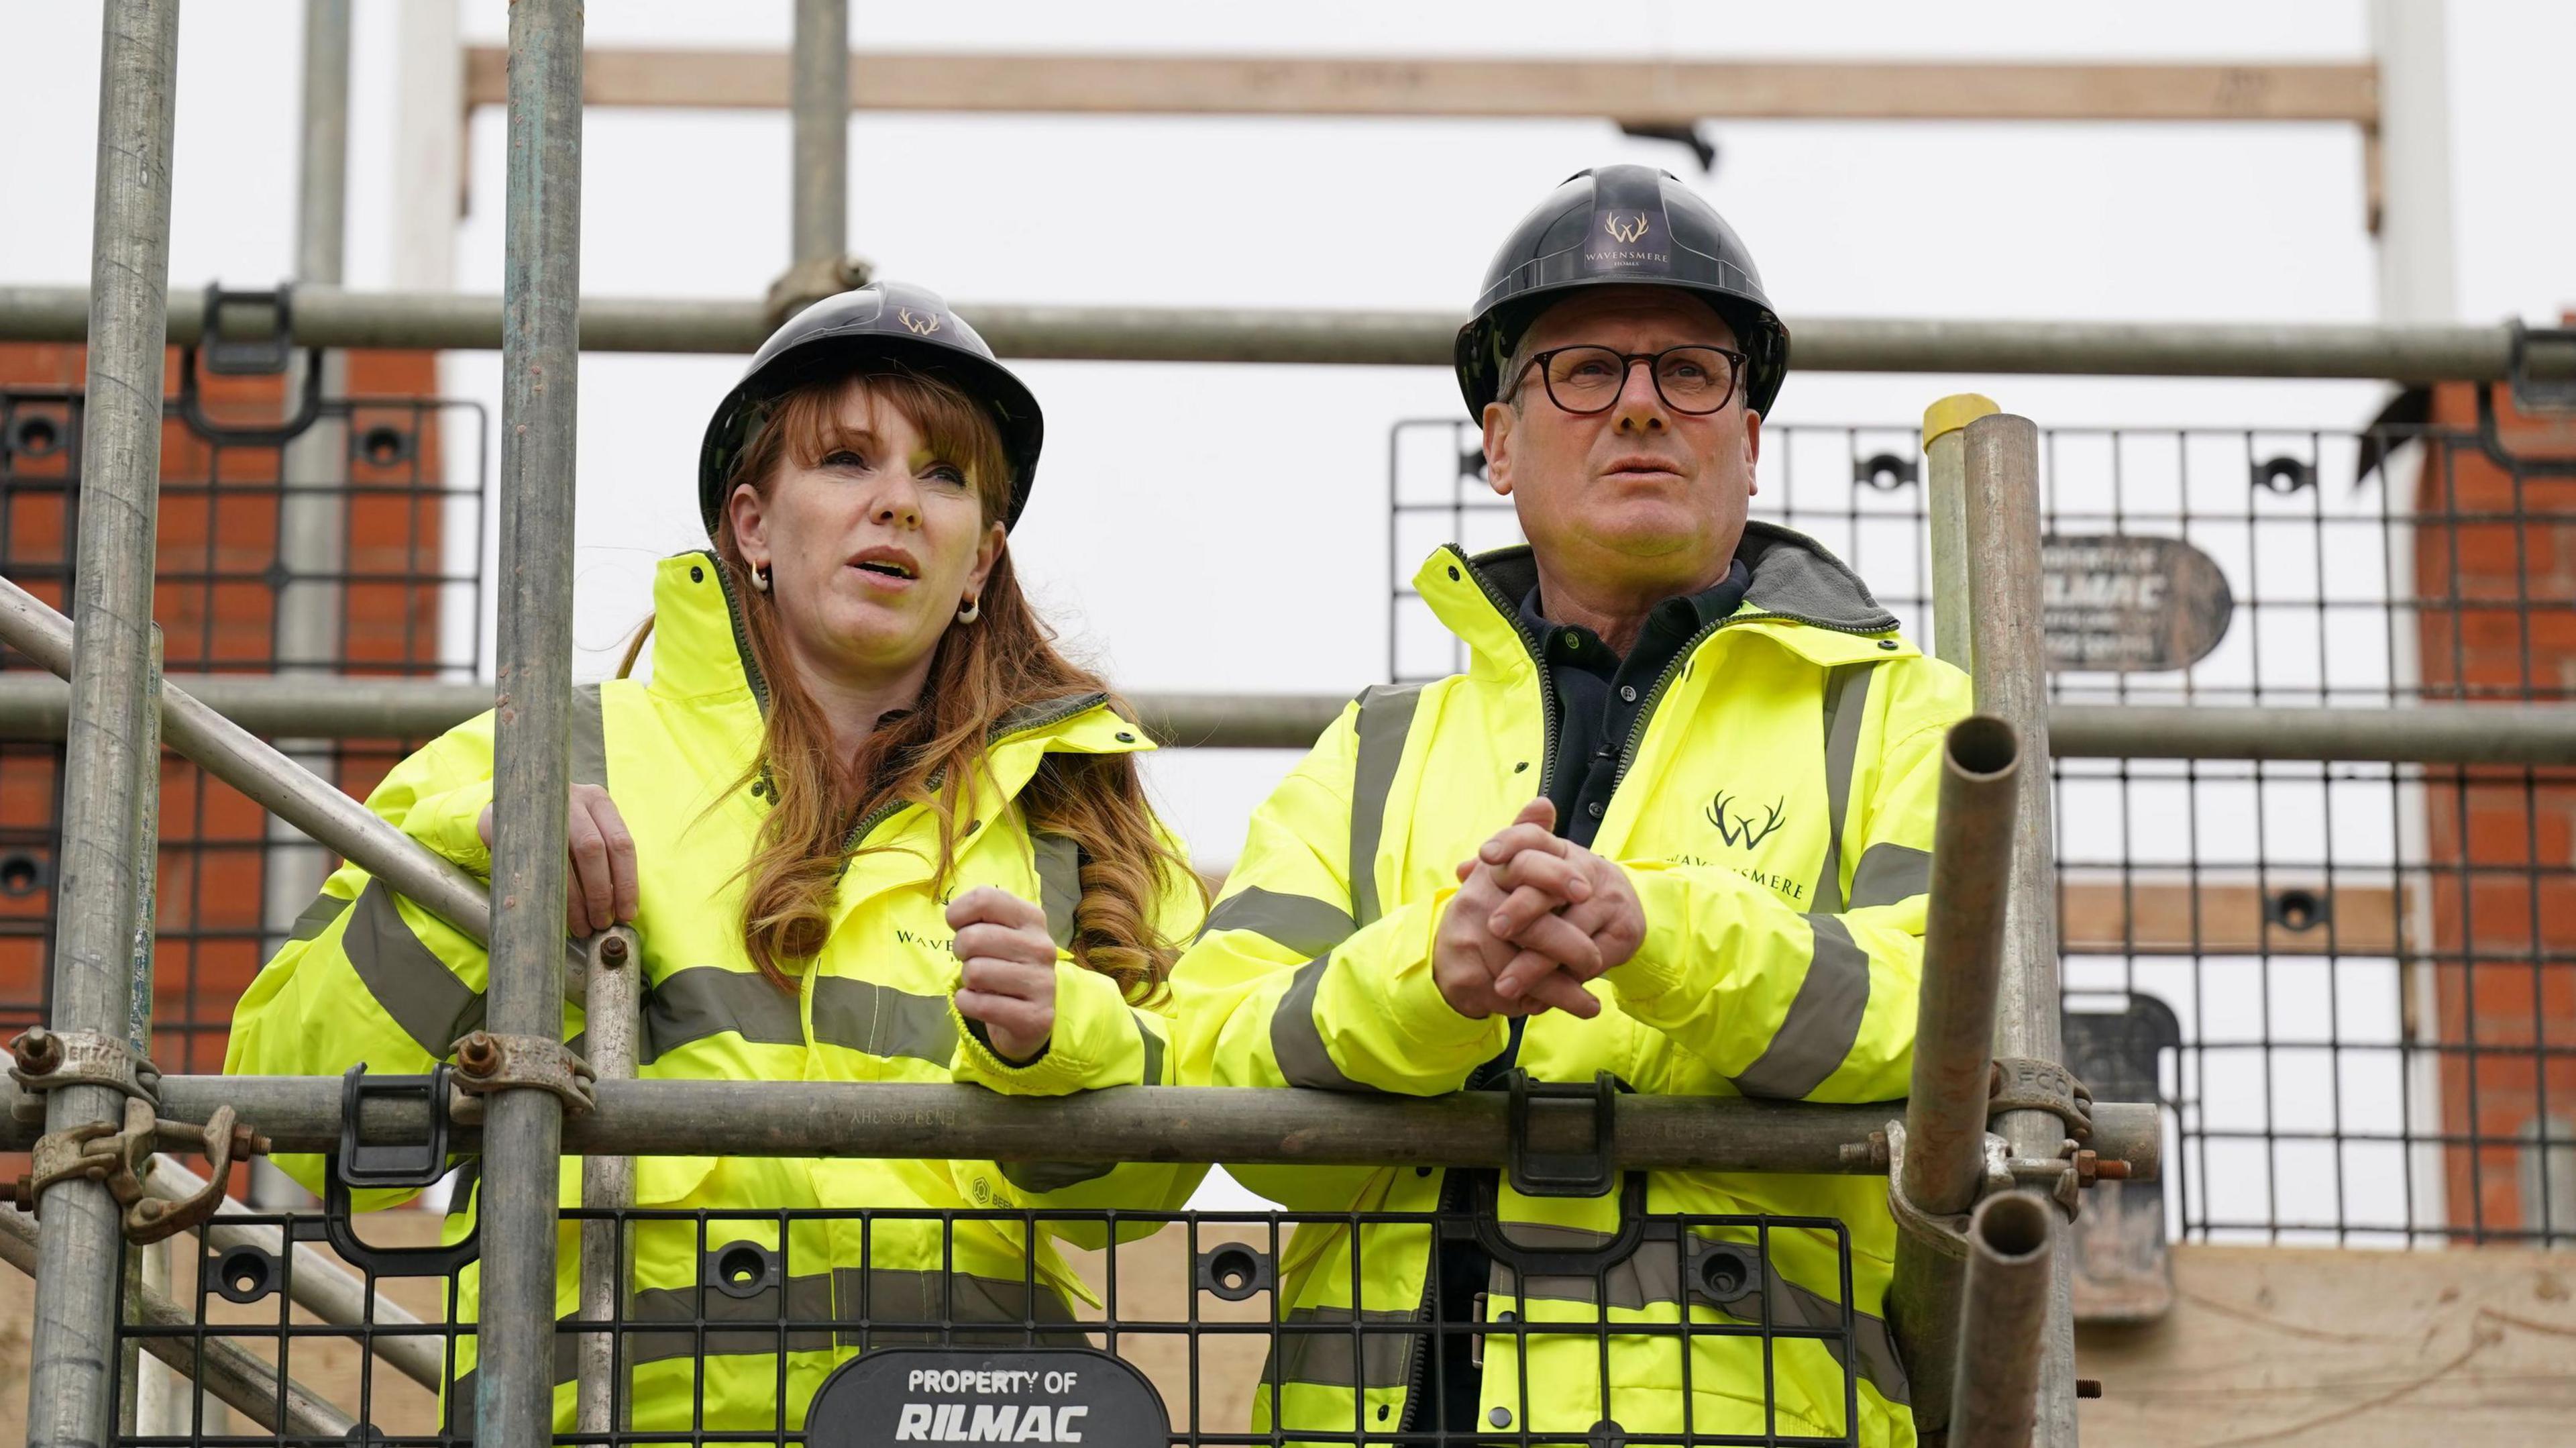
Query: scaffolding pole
2011, 675
818, 221
2424, 352
71, 1382
33, 707
313, 475
2012, 1242
904, 1120
1944, 1160
531, 778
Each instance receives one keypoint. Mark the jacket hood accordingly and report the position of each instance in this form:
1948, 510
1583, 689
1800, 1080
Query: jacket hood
1795, 583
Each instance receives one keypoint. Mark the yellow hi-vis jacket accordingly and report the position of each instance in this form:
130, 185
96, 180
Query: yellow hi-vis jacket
1774, 811
370, 977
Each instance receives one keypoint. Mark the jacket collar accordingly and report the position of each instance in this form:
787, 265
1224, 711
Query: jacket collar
1800, 595
702, 654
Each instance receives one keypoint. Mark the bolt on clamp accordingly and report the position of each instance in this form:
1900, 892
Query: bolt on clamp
120, 1159
2025, 1083
44, 1060
487, 1061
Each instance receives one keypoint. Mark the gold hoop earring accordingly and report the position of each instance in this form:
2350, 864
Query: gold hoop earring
760, 579
973, 610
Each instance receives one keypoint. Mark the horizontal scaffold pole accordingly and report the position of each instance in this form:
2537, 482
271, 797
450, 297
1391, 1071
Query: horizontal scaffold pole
33, 707
332, 317
902, 1120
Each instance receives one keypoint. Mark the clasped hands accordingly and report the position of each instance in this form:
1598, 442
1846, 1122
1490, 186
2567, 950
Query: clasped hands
1535, 917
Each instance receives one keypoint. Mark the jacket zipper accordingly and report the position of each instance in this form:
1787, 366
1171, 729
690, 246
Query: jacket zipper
741, 641
1549, 722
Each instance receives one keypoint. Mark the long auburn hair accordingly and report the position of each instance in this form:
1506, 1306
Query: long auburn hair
980, 673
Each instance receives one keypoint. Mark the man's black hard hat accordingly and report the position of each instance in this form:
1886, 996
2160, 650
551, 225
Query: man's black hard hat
881, 327
1620, 226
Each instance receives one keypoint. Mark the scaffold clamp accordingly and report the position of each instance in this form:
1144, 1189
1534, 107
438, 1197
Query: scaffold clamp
43, 1060
1945, 1233
2026, 1083
119, 1159
487, 1061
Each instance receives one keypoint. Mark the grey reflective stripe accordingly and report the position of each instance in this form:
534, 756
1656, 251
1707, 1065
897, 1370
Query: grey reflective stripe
1295, 1040
913, 1305
1059, 862
1331, 1352
317, 917
690, 1005
813, 1304
1822, 1022
1890, 873
1302, 923
1054, 1176
1846, 704
808, 1300
1386, 717
1652, 1276
407, 978
882, 1021
589, 738
1153, 1044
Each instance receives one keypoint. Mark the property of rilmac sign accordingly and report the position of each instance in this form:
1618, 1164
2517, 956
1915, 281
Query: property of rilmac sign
2127, 603
954, 1397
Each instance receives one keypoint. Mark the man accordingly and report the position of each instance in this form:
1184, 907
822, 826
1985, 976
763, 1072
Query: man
1673, 824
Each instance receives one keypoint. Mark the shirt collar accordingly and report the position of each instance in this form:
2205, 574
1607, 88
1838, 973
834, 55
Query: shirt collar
1679, 616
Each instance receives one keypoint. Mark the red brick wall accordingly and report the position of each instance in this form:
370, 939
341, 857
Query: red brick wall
2495, 556
217, 537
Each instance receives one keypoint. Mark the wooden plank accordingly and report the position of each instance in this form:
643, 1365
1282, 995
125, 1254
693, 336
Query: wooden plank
2101, 914
2320, 1348
1644, 91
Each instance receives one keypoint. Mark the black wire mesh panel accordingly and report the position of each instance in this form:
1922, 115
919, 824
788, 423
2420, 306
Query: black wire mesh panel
2355, 982
1190, 1311
392, 566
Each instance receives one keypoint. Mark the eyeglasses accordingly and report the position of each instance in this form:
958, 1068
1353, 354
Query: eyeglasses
1585, 380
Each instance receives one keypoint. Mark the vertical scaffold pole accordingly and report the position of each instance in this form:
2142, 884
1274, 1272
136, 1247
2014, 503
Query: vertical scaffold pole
1945, 494
612, 966
819, 98
540, 346
2011, 674
312, 504
109, 751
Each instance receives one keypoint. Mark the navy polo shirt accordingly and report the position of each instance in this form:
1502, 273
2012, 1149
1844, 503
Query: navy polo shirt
1599, 695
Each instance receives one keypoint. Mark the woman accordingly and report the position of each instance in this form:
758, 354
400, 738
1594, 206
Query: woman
869, 826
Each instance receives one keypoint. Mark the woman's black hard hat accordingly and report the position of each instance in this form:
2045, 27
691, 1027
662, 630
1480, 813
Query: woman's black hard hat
883, 326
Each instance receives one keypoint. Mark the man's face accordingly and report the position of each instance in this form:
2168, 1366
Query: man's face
1638, 497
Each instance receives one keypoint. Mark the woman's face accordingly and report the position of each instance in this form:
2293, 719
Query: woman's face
871, 548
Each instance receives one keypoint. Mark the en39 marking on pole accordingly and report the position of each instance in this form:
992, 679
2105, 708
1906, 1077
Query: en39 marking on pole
952, 1397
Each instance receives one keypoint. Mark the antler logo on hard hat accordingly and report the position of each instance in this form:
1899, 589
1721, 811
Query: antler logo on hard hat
922, 325
1625, 229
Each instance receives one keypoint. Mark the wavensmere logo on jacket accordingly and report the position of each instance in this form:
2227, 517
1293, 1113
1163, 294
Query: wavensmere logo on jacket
1739, 829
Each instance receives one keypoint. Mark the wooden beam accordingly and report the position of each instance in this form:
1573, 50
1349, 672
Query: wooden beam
2317, 1348
1641, 91
2101, 914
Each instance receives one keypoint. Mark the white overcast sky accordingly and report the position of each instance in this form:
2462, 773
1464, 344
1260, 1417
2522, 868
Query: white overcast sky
1206, 527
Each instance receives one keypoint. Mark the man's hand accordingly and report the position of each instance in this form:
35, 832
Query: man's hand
600, 886
1469, 959
1571, 913
1008, 978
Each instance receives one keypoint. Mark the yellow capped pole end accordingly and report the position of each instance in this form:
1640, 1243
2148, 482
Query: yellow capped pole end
1955, 412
